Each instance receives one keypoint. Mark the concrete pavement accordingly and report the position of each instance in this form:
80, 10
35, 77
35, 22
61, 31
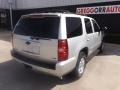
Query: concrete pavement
101, 73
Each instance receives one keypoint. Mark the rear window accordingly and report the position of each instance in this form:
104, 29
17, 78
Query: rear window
46, 27
74, 27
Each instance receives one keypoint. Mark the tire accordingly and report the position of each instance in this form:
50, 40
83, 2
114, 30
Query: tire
80, 66
101, 48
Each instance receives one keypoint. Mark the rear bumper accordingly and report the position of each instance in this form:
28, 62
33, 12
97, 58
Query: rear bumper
57, 69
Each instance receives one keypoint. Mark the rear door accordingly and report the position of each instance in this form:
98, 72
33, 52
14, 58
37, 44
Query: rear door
89, 36
37, 37
74, 35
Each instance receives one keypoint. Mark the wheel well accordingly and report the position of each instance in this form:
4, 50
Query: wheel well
85, 50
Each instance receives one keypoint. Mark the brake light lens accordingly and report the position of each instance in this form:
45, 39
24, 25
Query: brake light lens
62, 50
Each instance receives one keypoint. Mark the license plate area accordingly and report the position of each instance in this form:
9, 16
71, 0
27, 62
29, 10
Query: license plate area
33, 48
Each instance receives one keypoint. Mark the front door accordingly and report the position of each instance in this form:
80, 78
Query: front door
97, 34
89, 35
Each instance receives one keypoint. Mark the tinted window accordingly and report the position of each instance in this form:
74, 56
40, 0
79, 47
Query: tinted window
46, 27
96, 27
88, 26
74, 27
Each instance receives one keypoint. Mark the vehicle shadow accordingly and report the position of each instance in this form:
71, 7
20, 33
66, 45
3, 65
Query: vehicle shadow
13, 76
110, 49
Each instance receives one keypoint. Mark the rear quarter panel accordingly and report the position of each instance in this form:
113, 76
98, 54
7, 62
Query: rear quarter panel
76, 44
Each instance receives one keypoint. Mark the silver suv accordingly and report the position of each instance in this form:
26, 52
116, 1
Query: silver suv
56, 43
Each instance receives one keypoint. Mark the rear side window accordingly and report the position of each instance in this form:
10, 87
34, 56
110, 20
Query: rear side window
88, 26
74, 27
46, 27
96, 27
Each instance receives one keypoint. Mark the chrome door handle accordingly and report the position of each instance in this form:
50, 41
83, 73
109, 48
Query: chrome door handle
88, 39
28, 43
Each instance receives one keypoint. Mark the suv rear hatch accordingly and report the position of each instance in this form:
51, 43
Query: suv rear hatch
36, 36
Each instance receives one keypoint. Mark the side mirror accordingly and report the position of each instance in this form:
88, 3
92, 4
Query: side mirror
104, 28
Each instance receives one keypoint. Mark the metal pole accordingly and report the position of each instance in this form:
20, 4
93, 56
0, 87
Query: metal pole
11, 18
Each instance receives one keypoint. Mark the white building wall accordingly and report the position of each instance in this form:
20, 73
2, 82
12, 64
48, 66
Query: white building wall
4, 4
27, 4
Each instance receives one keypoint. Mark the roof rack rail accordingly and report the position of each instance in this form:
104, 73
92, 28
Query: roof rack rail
56, 11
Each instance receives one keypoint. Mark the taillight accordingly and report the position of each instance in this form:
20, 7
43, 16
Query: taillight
62, 50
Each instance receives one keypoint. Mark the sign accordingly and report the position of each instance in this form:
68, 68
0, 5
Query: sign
111, 9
